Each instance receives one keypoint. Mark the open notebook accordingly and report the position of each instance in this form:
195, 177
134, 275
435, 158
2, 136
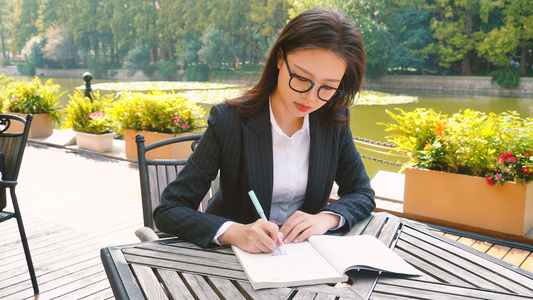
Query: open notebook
321, 259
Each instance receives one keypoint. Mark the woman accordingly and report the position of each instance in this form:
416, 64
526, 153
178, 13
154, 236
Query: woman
287, 139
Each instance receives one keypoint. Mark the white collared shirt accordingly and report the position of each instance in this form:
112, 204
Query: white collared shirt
291, 165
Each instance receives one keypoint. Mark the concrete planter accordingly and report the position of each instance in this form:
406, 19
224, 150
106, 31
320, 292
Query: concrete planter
41, 126
95, 142
469, 200
177, 151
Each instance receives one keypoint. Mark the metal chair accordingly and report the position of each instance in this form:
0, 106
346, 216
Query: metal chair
155, 175
13, 136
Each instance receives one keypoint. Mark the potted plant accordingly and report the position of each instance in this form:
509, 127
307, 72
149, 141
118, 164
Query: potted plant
89, 120
40, 100
157, 115
469, 168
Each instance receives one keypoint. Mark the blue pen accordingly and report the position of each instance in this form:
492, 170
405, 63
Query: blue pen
260, 210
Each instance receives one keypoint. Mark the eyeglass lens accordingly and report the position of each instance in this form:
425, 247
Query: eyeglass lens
302, 85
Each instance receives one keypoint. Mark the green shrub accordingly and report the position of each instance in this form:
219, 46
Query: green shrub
507, 78
27, 69
156, 111
4, 62
468, 142
199, 72
168, 69
86, 115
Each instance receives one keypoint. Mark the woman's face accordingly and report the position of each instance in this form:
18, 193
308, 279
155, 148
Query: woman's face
322, 67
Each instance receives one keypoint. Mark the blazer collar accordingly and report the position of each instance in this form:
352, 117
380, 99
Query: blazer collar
257, 140
320, 151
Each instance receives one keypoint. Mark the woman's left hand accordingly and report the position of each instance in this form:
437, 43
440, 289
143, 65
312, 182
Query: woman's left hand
299, 226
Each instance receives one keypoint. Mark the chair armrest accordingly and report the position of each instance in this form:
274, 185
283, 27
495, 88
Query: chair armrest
146, 234
7, 183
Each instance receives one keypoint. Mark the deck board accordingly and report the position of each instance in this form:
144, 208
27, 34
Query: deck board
75, 204
72, 205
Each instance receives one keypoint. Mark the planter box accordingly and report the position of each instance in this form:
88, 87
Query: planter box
95, 142
41, 125
469, 200
176, 151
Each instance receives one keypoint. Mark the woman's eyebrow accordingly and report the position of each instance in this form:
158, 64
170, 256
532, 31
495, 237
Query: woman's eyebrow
308, 73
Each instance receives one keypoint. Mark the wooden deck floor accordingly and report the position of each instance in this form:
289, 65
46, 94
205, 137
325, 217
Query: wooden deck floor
74, 204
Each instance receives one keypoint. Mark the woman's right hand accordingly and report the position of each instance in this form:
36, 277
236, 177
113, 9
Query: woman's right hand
258, 237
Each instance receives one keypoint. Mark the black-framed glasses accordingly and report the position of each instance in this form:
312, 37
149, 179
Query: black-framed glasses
302, 85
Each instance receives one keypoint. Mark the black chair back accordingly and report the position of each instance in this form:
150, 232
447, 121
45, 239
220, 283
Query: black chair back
13, 136
156, 174
14, 132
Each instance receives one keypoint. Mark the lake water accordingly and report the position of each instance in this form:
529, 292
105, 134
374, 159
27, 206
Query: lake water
365, 117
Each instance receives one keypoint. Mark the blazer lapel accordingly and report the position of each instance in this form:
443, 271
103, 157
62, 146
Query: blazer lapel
319, 155
257, 139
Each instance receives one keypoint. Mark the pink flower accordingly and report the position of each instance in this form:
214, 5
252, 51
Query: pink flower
185, 126
525, 169
498, 177
528, 153
177, 120
489, 180
95, 115
512, 159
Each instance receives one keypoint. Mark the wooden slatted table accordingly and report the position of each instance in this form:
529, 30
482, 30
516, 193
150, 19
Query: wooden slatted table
174, 269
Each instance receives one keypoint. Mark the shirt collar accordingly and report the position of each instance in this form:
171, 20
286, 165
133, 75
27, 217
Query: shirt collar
277, 133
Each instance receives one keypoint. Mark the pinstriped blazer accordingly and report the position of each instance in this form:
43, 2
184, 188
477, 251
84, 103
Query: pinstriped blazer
242, 150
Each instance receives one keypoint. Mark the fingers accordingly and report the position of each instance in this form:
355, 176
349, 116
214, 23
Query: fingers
258, 237
301, 226
295, 226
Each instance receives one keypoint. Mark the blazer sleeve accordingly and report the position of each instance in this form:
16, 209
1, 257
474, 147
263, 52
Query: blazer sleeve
178, 213
356, 196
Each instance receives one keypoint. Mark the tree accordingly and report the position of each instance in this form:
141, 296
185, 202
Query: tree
60, 47
216, 49
458, 28
374, 18
32, 51
52, 13
144, 23
413, 39
24, 17
501, 44
6, 11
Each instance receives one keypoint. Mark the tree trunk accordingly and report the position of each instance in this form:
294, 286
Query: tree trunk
3, 45
465, 69
523, 59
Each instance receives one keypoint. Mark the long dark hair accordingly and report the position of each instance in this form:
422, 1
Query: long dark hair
312, 29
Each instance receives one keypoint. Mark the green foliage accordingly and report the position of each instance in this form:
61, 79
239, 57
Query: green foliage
468, 142
168, 69
27, 69
137, 59
189, 47
32, 51
32, 97
216, 48
4, 62
60, 47
86, 115
507, 77
98, 67
156, 111
198, 72
23, 23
